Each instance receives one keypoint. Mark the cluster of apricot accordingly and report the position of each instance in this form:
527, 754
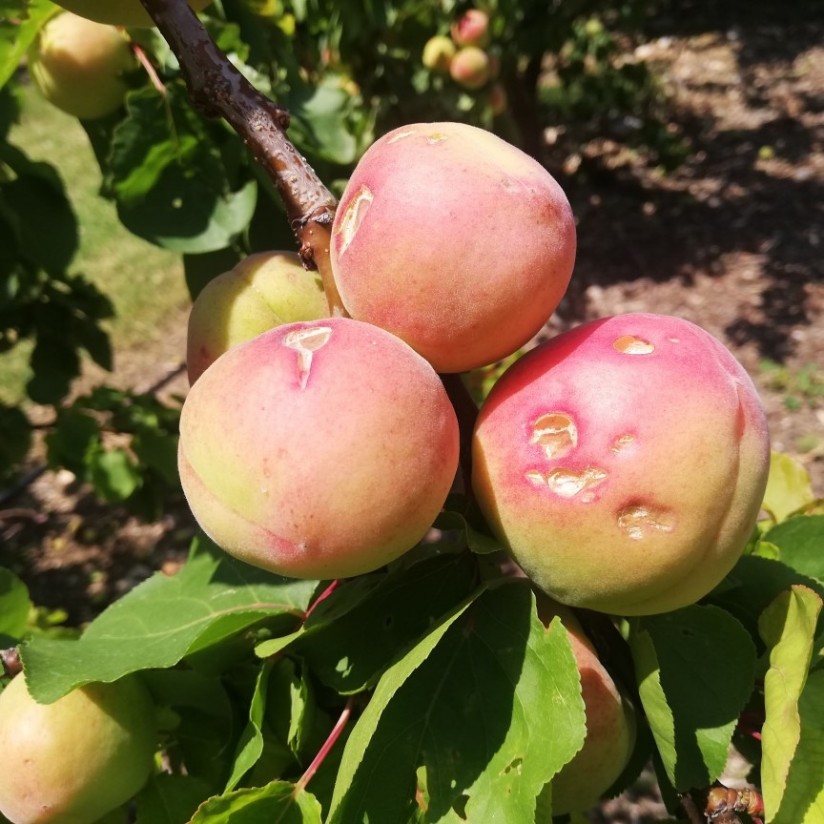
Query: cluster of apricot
621, 464
465, 56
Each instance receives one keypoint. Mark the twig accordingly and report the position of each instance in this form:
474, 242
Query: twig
218, 89
327, 745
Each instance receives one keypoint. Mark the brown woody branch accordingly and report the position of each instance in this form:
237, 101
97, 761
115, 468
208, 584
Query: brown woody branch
218, 89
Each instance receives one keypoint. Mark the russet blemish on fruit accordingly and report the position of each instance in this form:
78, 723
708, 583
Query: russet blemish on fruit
556, 433
631, 345
638, 521
353, 216
305, 342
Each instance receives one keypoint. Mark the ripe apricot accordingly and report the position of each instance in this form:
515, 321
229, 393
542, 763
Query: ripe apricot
455, 241
471, 28
610, 720
623, 463
470, 67
322, 449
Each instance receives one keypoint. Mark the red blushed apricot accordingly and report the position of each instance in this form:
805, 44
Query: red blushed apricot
623, 463
470, 67
453, 240
318, 450
610, 721
264, 290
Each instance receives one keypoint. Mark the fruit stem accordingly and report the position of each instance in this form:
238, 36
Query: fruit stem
467, 413
340, 725
218, 89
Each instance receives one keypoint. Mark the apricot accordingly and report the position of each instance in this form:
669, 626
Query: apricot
78, 65
73, 761
264, 290
322, 449
610, 721
119, 12
455, 241
438, 52
471, 28
623, 463
470, 67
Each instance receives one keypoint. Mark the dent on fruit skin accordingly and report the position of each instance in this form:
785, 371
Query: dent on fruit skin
318, 450
264, 290
465, 250
73, 761
678, 437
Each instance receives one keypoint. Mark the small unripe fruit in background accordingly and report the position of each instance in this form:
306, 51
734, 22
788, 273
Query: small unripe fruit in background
610, 720
470, 67
73, 761
623, 463
128, 13
264, 290
471, 28
454, 240
78, 65
323, 449
438, 53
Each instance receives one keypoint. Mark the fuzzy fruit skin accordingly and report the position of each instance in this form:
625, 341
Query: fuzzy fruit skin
78, 65
471, 28
650, 504
454, 240
323, 463
438, 53
610, 718
73, 761
119, 12
470, 67
264, 290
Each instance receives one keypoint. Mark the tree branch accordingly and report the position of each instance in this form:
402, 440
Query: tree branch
218, 89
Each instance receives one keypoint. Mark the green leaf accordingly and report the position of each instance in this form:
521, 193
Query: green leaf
250, 745
14, 608
170, 799
165, 618
17, 35
483, 722
801, 543
113, 474
169, 179
792, 786
695, 669
348, 651
788, 487
276, 803
47, 225
462, 515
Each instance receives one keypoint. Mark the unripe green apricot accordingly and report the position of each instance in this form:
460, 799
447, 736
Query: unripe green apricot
118, 12
623, 463
322, 449
78, 65
470, 67
264, 290
438, 53
455, 241
73, 761
610, 720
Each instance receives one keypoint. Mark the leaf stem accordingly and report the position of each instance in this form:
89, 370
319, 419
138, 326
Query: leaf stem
218, 89
340, 725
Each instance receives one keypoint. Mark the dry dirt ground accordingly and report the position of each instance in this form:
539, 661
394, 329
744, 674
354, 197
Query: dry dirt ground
733, 240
